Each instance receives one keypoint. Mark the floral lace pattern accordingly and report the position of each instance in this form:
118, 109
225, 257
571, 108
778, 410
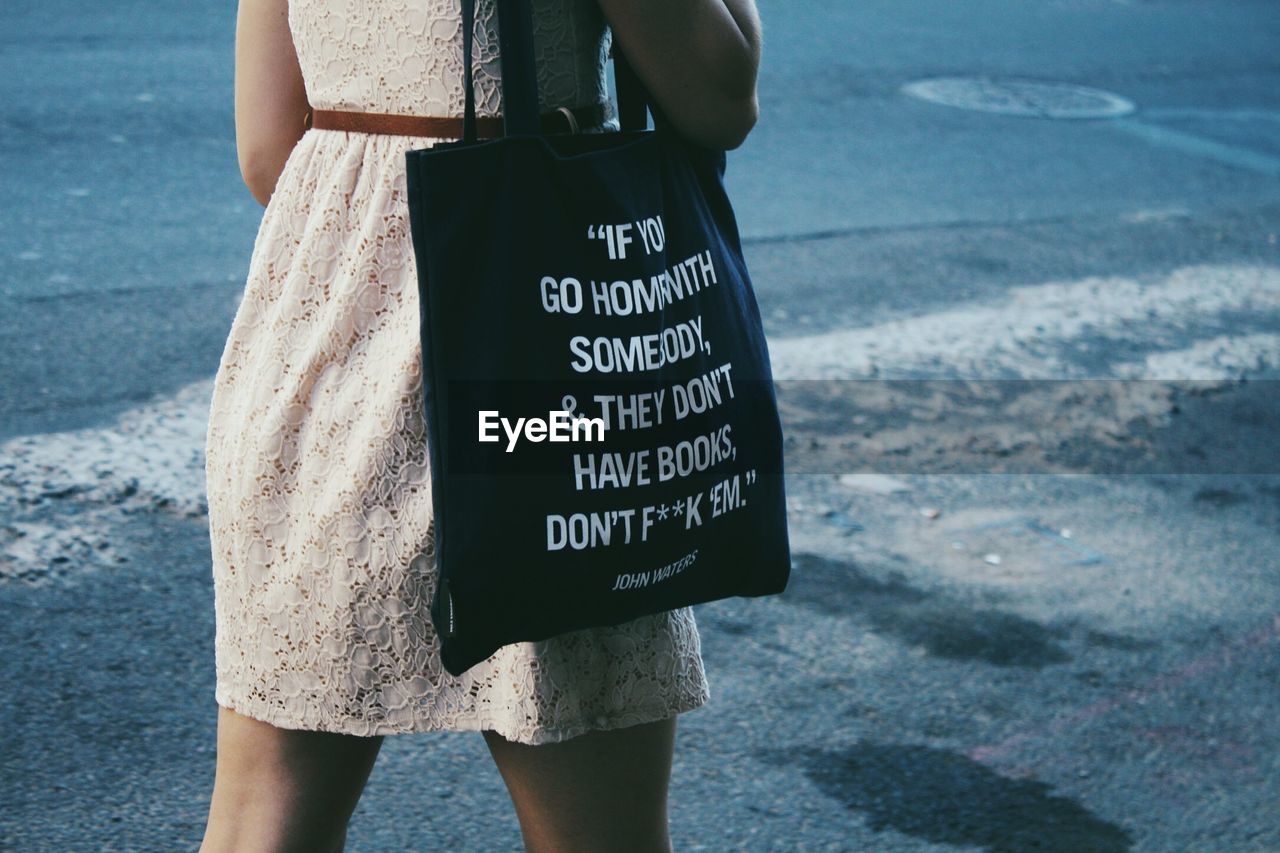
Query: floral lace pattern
317, 468
400, 56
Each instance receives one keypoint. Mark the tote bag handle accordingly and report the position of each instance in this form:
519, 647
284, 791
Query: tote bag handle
520, 81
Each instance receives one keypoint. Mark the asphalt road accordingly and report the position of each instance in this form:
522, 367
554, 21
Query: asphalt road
1044, 613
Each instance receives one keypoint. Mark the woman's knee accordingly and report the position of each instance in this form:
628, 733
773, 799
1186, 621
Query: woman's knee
284, 789
603, 790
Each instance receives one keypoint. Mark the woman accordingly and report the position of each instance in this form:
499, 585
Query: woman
317, 469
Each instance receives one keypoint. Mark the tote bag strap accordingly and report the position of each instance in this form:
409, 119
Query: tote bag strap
519, 73
633, 98
520, 81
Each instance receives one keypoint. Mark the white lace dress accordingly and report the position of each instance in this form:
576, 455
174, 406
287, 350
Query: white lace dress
318, 474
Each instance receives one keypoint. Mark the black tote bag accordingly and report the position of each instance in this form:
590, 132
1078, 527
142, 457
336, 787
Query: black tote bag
571, 277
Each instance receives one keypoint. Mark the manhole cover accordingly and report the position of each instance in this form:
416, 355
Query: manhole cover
1014, 96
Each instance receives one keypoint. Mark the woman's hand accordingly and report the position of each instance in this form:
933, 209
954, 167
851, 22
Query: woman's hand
271, 101
699, 59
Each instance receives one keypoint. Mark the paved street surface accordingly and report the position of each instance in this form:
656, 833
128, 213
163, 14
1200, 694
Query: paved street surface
1027, 369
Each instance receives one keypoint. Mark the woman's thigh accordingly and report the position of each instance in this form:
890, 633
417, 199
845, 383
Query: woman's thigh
282, 789
603, 790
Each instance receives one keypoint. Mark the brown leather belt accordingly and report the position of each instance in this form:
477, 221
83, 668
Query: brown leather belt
561, 120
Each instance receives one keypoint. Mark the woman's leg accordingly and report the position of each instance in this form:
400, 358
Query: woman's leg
603, 790
282, 790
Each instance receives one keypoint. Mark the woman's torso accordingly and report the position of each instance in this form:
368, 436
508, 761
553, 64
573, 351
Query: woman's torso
405, 56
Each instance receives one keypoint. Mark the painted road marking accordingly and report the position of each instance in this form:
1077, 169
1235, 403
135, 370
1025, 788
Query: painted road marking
1027, 331
1222, 358
152, 457
1199, 146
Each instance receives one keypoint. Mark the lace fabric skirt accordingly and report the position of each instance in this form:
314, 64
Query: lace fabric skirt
320, 505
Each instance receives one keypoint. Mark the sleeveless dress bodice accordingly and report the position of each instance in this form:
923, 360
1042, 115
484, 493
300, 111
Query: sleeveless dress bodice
398, 56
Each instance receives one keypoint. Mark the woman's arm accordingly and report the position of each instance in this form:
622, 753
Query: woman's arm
699, 60
271, 101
